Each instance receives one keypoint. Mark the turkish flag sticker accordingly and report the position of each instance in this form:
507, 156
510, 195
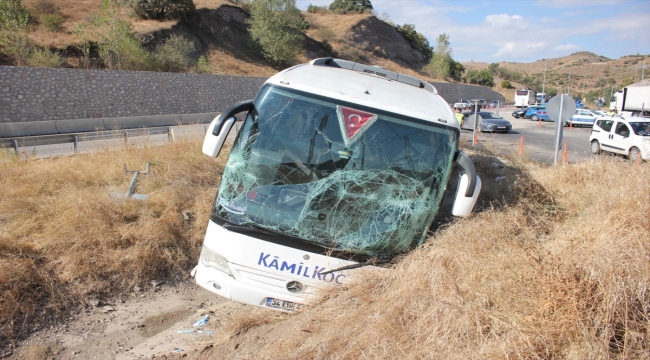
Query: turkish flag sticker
354, 122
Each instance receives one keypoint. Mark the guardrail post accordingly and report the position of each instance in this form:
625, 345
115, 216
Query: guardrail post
125, 138
76, 142
170, 134
14, 144
564, 154
521, 145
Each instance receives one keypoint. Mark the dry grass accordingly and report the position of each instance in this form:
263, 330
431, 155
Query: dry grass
556, 264
64, 240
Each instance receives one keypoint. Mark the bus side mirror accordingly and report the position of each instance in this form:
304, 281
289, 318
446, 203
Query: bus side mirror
469, 187
220, 127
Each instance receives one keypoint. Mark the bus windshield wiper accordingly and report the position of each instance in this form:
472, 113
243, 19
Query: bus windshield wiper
373, 261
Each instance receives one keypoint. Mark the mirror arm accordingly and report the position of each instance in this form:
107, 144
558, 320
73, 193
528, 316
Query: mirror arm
246, 105
468, 166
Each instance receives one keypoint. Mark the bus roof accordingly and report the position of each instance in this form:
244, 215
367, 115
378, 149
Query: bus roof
369, 86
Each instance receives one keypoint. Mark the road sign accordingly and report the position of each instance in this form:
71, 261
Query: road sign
560, 109
567, 104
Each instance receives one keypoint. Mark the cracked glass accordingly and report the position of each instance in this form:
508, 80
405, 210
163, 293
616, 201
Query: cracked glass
336, 174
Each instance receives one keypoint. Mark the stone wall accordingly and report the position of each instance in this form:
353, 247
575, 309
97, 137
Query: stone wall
40, 94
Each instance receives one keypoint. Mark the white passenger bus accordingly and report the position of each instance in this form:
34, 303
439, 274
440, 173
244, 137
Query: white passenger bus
524, 98
336, 165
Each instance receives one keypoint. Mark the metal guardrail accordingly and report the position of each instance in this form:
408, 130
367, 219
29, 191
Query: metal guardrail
75, 138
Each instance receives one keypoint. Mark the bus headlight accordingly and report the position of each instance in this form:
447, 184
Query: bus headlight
212, 259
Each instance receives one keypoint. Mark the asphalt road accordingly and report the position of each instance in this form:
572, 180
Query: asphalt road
538, 141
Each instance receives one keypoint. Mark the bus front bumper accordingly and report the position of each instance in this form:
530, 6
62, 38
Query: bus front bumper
231, 288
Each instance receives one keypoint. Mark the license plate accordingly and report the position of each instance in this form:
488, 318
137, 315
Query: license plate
501, 127
281, 304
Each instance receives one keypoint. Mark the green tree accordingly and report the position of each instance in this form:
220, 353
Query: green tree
416, 39
457, 70
493, 68
117, 46
346, 6
506, 84
13, 37
483, 77
441, 62
551, 91
276, 25
162, 9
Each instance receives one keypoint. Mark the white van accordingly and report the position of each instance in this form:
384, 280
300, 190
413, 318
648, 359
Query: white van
627, 136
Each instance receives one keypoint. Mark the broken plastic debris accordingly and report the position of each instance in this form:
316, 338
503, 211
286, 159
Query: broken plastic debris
177, 350
189, 331
499, 178
204, 332
202, 321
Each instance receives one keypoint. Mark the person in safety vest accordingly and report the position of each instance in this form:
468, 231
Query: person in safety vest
459, 117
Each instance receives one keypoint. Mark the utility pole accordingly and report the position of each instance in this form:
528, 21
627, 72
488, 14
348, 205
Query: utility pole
544, 82
643, 71
583, 88
568, 88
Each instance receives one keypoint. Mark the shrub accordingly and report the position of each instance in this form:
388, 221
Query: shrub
45, 58
416, 39
175, 54
162, 9
13, 38
316, 9
202, 66
506, 84
276, 26
52, 22
346, 6
483, 77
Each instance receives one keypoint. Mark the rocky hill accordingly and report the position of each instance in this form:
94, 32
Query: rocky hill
578, 73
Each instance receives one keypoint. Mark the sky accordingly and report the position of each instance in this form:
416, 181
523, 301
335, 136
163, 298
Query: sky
523, 30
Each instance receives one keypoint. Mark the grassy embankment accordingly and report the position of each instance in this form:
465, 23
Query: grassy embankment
555, 263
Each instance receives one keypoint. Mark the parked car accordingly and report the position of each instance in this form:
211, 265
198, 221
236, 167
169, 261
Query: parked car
536, 113
494, 104
519, 113
583, 117
487, 121
627, 136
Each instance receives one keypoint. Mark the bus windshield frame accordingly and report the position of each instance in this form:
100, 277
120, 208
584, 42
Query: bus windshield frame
335, 177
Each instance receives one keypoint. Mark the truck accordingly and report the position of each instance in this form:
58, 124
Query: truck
632, 100
541, 98
463, 104
337, 165
524, 98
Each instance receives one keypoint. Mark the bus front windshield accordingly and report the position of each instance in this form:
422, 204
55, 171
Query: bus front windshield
341, 176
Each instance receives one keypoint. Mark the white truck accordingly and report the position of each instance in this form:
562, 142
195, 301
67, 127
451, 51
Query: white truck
337, 165
463, 104
633, 100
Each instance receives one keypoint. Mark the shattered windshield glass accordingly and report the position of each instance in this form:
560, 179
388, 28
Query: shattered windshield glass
339, 175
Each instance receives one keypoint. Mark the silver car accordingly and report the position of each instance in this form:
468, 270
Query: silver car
487, 121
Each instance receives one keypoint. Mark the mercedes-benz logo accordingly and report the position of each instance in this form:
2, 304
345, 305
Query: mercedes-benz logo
295, 286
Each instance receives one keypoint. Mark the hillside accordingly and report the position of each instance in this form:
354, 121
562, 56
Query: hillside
219, 32
588, 72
